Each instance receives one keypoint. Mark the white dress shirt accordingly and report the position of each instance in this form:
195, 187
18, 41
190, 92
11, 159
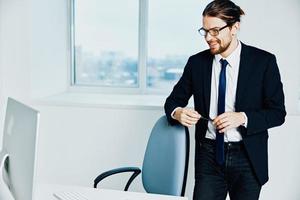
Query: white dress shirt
232, 71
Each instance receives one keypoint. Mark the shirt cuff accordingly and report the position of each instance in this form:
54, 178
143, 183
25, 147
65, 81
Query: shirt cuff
246, 122
172, 114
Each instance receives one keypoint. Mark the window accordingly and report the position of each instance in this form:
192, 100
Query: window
172, 39
142, 45
105, 43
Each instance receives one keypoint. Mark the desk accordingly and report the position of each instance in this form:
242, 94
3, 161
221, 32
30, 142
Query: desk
45, 192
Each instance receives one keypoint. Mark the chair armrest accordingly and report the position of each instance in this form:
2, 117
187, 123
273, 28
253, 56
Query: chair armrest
136, 171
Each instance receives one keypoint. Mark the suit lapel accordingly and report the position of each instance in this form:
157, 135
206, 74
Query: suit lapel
244, 74
207, 81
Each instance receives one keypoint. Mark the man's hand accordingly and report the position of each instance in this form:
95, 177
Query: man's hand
187, 117
229, 120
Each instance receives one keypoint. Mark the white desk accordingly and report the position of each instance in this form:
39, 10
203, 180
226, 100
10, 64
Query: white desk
45, 192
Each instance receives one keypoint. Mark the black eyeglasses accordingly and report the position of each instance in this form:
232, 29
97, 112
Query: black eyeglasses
212, 31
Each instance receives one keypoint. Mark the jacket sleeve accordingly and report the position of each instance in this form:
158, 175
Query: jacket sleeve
180, 94
273, 112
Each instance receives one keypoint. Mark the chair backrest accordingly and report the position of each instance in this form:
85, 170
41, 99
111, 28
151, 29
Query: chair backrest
166, 159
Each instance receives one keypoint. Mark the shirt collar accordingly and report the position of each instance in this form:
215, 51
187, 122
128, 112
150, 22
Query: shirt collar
233, 58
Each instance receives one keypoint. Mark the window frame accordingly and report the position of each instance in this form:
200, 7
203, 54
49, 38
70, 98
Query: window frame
141, 87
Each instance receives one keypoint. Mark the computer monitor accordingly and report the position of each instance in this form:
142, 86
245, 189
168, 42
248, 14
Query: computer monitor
20, 142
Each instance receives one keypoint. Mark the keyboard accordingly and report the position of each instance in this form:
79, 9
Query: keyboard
69, 195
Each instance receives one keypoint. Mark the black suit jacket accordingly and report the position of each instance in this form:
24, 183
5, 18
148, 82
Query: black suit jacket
259, 94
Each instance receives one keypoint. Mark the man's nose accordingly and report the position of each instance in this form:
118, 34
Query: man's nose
208, 37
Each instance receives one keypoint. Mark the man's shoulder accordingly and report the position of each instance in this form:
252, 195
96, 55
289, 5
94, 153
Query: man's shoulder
248, 49
205, 54
258, 52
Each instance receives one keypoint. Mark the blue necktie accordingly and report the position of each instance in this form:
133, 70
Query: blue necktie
221, 109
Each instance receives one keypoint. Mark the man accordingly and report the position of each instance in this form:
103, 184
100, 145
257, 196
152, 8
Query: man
239, 87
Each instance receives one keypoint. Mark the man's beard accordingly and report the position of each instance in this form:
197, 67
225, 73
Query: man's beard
221, 48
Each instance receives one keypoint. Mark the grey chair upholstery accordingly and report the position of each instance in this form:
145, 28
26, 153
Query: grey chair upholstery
165, 164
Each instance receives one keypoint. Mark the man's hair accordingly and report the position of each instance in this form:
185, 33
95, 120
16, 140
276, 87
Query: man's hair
226, 10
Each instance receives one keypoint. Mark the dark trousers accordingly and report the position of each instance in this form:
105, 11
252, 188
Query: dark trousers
236, 176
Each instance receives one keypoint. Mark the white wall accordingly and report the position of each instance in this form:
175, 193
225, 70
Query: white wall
78, 142
14, 52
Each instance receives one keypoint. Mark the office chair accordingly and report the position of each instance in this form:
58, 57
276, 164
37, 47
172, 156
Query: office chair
165, 164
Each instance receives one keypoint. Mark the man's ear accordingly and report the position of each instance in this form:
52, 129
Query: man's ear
235, 27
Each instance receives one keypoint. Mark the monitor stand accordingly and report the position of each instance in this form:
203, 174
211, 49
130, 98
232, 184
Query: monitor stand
5, 192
